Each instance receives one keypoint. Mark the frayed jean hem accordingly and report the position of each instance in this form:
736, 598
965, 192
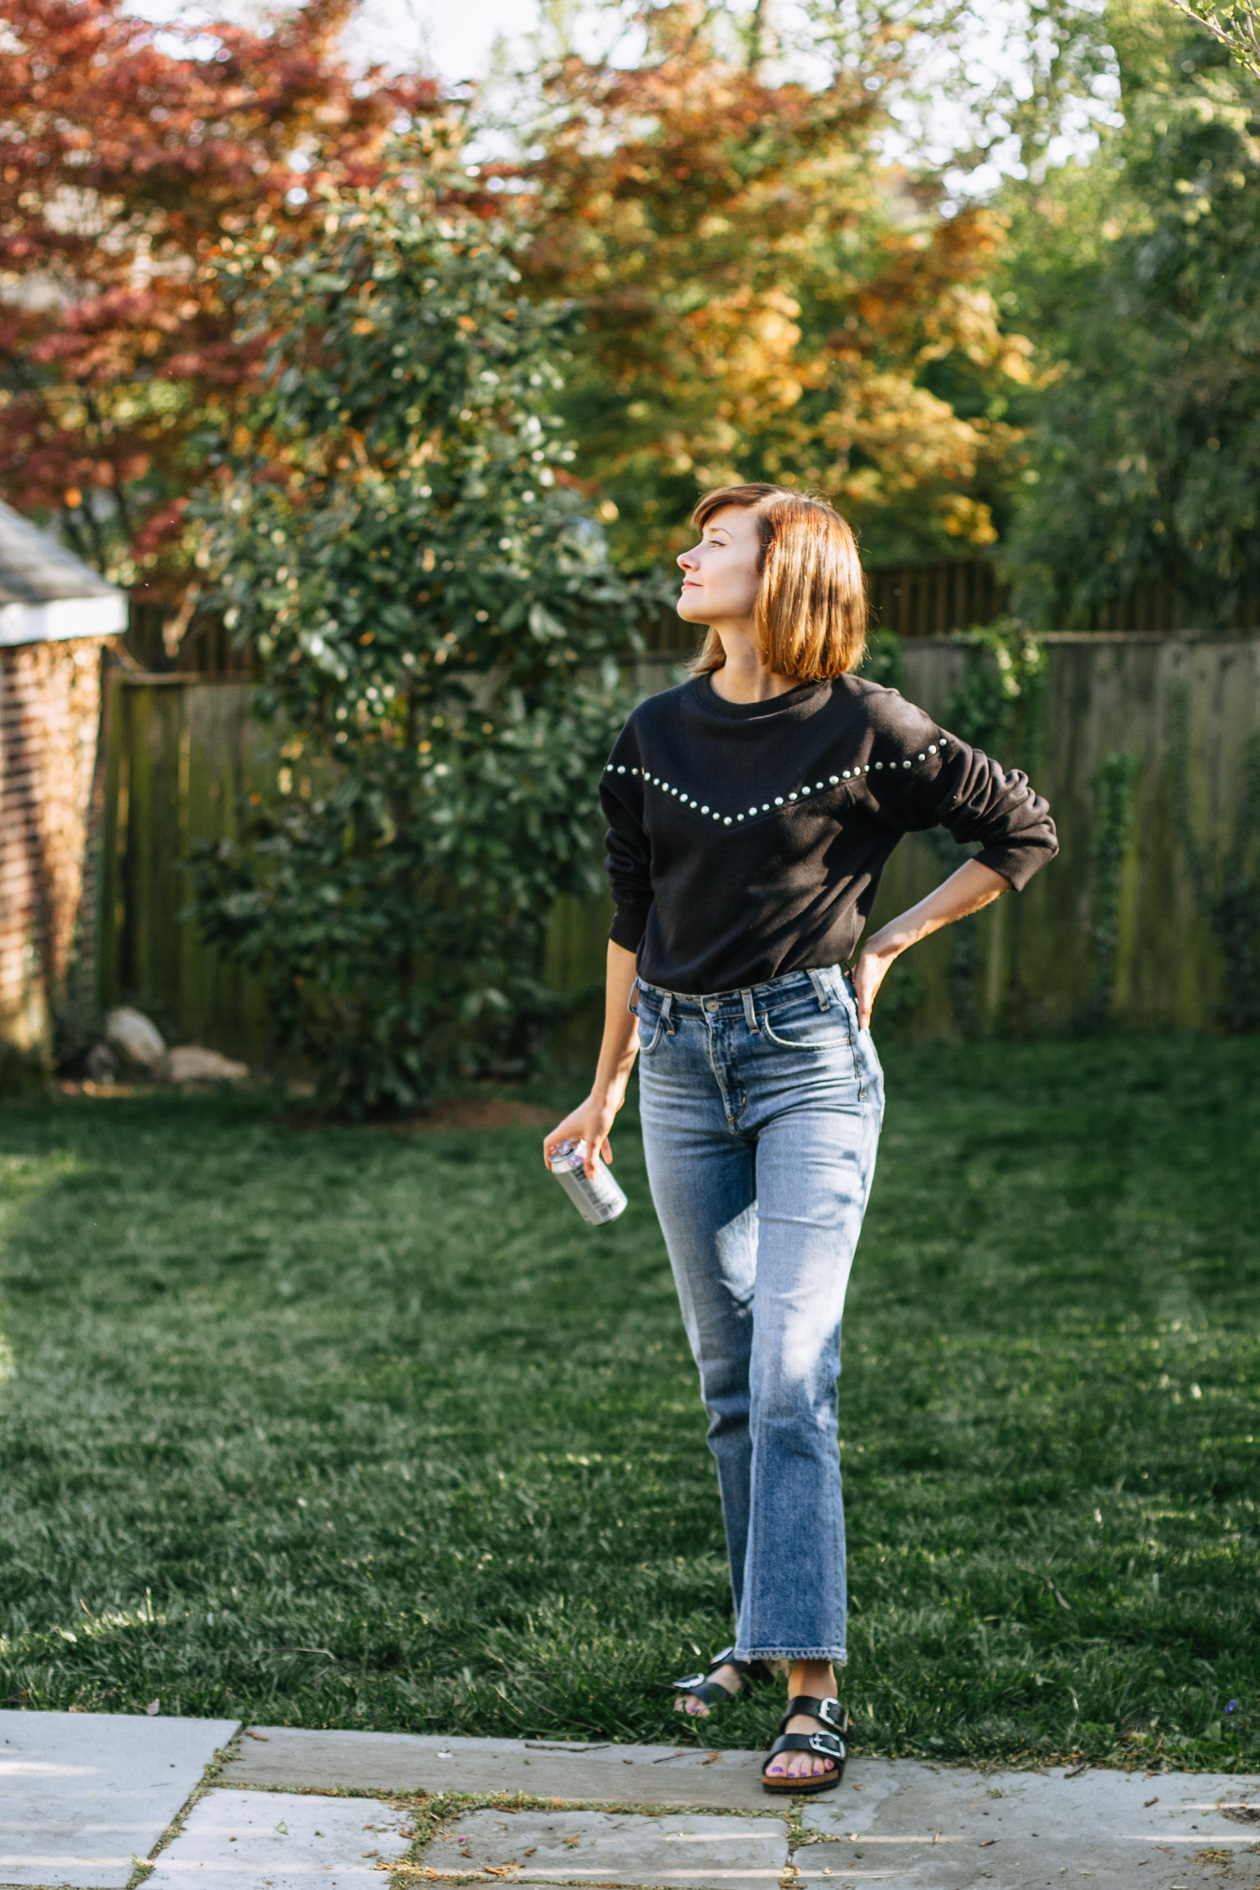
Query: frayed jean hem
836, 1655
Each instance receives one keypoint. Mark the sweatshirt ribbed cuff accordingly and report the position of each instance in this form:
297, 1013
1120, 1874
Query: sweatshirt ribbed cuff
627, 929
1018, 864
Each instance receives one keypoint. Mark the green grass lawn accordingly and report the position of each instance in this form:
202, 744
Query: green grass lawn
365, 1428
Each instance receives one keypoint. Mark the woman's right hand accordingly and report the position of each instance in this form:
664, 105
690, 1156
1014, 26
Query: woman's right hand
589, 1123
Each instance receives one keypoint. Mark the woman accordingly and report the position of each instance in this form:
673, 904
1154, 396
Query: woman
750, 814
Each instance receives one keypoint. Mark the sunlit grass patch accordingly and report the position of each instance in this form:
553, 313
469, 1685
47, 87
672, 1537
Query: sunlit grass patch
359, 1428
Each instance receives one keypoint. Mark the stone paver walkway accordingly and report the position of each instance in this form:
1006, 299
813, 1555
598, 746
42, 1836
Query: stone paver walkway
625, 1848
285, 1841
943, 1828
84, 1798
284, 1756
82, 1795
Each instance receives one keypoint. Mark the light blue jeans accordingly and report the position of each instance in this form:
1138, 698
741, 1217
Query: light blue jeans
761, 1116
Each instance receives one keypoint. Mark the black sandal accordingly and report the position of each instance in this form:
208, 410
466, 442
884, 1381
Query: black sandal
712, 1692
828, 1744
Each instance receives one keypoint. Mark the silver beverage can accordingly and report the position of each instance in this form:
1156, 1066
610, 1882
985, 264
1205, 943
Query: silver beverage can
596, 1201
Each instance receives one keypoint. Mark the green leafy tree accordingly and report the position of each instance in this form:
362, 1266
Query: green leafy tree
1139, 276
436, 621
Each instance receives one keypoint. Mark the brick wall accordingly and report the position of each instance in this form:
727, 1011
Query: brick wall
50, 703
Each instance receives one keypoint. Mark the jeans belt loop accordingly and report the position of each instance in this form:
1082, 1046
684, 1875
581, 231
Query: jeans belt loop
632, 1004
666, 1007
820, 989
750, 1012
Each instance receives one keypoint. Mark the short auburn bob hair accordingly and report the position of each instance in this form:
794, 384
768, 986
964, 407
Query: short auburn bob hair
811, 608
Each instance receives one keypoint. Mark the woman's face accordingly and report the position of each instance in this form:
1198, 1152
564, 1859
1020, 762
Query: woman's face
720, 575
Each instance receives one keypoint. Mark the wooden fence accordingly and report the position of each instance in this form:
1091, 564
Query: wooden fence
911, 600
1117, 930
180, 751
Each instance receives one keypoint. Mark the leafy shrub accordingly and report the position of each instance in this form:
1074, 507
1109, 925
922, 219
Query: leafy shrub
436, 621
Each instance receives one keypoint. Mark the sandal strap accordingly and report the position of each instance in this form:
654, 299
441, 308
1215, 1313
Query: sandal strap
826, 1712
712, 1691
728, 1658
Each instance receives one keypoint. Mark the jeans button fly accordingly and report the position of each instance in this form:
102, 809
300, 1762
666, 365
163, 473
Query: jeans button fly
710, 1004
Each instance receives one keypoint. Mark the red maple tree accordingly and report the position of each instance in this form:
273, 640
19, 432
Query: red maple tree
129, 154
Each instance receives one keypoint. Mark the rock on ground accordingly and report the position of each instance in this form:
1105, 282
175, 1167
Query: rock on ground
136, 1038
192, 1063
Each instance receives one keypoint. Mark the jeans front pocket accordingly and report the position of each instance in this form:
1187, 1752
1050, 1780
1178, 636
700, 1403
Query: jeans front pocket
651, 1023
805, 1030
815, 1039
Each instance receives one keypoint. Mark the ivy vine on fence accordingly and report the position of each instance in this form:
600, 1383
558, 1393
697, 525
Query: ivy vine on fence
1228, 893
1115, 806
996, 706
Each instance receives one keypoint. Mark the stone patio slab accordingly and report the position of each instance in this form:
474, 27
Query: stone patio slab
941, 1828
83, 1795
283, 1841
609, 1847
293, 1758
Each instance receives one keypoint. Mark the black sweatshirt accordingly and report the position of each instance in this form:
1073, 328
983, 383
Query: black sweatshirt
747, 839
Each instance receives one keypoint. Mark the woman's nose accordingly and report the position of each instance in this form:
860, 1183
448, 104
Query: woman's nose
687, 560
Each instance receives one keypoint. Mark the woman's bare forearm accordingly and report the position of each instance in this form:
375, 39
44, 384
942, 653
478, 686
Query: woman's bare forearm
620, 1045
964, 892
593, 1117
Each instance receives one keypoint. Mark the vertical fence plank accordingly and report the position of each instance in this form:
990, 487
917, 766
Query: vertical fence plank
111, 908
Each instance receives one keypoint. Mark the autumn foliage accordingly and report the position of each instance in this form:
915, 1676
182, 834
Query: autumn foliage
124, 161
763, 297
760, 295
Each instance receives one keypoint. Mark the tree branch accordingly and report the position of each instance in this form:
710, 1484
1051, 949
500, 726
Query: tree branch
1236, 26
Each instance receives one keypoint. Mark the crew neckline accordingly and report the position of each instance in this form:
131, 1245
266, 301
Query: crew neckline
791, 701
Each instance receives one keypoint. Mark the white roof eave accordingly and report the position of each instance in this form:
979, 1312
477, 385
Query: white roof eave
61, 619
